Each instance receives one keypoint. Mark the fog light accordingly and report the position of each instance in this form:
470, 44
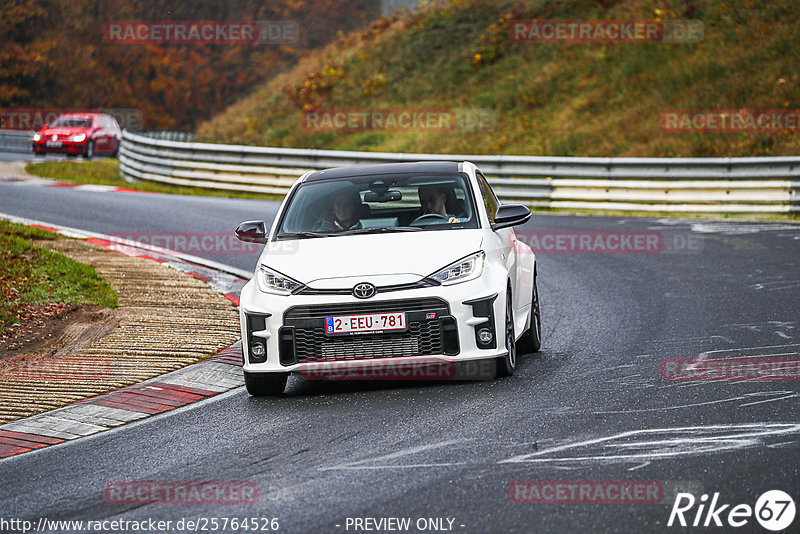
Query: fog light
258, 350
485, 335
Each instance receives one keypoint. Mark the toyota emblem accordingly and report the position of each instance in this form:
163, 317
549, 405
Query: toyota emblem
364, 290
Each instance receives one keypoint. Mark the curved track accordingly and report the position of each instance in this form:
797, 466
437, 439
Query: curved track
592, 405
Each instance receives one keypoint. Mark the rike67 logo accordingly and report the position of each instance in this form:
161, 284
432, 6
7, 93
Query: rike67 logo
774, 510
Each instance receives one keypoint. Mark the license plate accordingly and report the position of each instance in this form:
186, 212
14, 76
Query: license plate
54, 144
371, 322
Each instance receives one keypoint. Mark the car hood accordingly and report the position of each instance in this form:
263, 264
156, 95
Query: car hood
63, 131
383, 259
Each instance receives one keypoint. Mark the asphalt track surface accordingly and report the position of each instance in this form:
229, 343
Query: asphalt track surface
591, 406
29, 156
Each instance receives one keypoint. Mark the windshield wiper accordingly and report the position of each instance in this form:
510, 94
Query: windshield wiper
292, 235
381, 230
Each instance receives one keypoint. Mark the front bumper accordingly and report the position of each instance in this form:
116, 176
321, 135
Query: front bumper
67, 147
443, 323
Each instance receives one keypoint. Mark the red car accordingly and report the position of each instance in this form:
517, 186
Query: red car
75, 134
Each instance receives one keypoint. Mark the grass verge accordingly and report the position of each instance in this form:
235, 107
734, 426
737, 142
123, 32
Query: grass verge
106, 172
31, 275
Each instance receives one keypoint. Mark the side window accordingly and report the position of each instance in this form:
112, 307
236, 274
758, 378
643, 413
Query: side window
489, 198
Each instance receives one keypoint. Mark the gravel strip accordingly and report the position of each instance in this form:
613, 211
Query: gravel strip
167, 320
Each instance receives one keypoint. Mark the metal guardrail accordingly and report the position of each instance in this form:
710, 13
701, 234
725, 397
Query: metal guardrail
16, 141
702, 185
169, 135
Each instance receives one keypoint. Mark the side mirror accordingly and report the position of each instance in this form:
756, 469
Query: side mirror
252, 232
510, 215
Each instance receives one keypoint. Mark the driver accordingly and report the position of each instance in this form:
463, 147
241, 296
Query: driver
433, 198
344, 215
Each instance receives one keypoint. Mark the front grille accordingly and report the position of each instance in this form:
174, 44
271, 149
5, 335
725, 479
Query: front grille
355, 308
425, 282
424, 337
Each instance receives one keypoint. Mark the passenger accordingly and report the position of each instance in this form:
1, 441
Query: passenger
345, 214
433, 199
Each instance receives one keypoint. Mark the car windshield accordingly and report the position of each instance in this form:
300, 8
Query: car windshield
72, 122
378, 204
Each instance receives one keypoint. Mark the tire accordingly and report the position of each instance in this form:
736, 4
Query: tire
531, 340
508, 363
89, 152
265, 384
115, 154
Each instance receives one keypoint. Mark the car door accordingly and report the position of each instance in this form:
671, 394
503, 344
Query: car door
105, 134
503, 240
108, 128
96, 134
110, 134
116, 133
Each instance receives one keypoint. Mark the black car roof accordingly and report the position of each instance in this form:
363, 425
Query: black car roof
435, 167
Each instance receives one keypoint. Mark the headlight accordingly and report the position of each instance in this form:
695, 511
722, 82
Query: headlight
36, 137
463, 270
77, 138
270, 281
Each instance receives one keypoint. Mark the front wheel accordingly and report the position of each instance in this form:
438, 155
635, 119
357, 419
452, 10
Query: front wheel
89, 152
531, 340
506, 364
265, 384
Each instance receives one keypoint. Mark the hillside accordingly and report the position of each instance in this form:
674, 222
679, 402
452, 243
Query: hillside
55, 54
567, 99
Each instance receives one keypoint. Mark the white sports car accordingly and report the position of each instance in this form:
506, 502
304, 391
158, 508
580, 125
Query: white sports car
392, 263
